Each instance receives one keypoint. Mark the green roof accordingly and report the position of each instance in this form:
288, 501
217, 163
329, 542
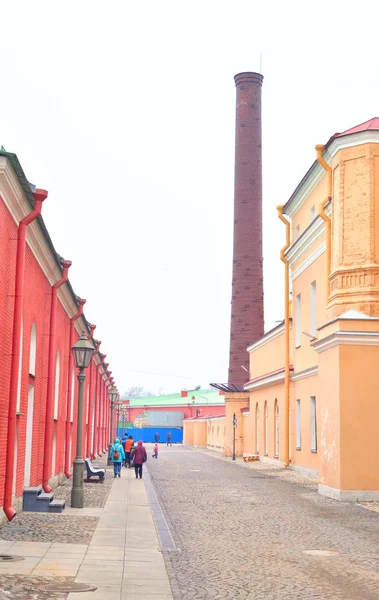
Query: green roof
199, 397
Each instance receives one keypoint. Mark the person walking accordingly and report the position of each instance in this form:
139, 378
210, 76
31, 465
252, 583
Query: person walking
117, 455
139, 457
128, 448
169, 437
155, 455
156, 437
124, 438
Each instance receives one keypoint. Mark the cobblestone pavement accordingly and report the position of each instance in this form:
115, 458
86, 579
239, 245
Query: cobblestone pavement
261, 533
21, 587
95, 493
59, 528
45, 527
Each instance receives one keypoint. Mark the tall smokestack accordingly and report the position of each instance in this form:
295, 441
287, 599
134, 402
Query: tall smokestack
247, 322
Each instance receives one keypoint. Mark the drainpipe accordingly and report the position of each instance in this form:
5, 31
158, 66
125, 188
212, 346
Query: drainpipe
66, 264
106, 396
86, 399
97, 402
90, 407
39, 197
286, 339
100, 413
67, 472
324, 217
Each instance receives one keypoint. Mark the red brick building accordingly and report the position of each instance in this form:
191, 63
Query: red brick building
40, 319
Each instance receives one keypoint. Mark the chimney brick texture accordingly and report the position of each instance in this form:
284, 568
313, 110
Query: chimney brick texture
247, 320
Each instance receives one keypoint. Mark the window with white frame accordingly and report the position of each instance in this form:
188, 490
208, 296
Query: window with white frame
57, 378
257, 428
297, 232
313, 326
33, 351
298, 318
18, 405
312, 213
298, 426
313, 425
266, 430
72, 394
276, 412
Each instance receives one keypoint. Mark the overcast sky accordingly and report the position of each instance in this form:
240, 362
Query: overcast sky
125, 112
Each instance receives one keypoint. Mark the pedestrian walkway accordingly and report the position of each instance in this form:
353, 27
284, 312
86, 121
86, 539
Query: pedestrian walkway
123, 558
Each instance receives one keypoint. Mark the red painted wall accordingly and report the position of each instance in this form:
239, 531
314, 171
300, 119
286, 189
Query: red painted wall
8, 240
36, 309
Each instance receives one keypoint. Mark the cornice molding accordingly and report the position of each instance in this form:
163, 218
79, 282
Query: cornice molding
265, 381
317, 172
305, 373
268, 337
347, 338
18, 207
315, 230
308, 261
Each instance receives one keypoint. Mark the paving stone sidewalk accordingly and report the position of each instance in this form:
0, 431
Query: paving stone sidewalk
122, 558
258, 533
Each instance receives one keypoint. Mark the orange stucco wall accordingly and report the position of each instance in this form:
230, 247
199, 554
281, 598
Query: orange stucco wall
233, 404
188, 433
200, 434
359, 417
216, 433
269, 356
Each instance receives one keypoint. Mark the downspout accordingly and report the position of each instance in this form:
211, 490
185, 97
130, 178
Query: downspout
86, 399
106, 396
97, 401
39, 197
90, 407
324, 217
101, 407
66, 264
67, 472
286, 339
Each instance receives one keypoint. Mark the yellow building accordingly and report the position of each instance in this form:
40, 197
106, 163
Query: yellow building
312, 400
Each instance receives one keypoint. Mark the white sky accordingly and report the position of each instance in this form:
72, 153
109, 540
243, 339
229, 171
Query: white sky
125, 112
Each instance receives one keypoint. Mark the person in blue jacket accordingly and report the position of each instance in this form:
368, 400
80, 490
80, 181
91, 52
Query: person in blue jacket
117, 456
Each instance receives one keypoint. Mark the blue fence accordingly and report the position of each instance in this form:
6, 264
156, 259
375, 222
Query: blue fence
147, 434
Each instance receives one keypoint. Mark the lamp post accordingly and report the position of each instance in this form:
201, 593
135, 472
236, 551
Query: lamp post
234, 436
118, 408
82, 352
112, 397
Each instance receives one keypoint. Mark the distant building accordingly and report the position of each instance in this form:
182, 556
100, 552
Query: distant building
170, 410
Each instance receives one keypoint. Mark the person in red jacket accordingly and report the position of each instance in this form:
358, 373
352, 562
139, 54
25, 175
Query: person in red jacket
139, 457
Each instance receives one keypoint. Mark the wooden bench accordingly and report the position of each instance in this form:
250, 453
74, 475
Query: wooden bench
93, 471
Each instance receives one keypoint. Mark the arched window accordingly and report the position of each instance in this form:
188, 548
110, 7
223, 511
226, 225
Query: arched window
57, 378
276, 412
257, 428
266, 429
33, 351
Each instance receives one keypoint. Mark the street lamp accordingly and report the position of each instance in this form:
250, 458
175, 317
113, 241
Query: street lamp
234, 436
118, 408
82, 352
112, 397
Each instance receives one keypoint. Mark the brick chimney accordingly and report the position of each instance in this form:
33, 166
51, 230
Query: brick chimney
247, 321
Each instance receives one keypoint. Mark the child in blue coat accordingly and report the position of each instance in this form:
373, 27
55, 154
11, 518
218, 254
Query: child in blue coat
117, 456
